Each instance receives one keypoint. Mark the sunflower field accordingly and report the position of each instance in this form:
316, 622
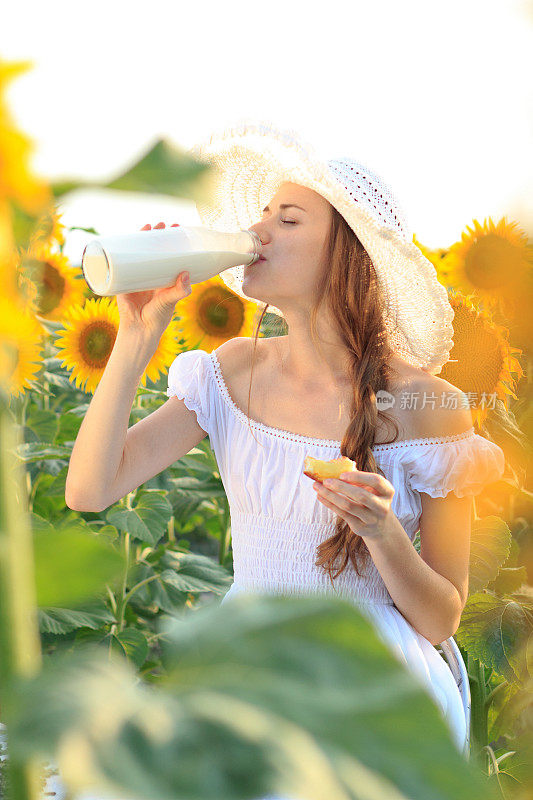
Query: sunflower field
120, 674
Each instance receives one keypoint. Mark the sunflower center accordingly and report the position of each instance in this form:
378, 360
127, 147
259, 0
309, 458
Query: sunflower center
476, 360
52, 290
49, 285
492, 262
96, 343
219, 313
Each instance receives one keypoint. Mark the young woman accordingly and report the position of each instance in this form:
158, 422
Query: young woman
369, 329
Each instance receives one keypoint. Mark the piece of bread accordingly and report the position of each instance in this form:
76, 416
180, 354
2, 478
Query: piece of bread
318, 470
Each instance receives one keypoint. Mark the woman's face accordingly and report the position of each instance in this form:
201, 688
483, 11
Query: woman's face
293, 240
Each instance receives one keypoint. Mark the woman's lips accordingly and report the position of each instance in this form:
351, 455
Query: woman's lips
257, 261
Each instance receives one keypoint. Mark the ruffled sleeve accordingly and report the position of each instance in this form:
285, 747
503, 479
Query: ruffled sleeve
465, 463
190, 378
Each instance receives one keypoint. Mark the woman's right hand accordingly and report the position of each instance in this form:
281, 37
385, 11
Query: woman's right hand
150, 311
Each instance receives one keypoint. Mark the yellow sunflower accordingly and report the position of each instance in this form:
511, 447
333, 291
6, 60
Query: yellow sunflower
17, 181
21, 344
7, 240
481, 360
492, 260
49, 229
437, 258
88, 339
51, 285
518, 312
211, 314
8, 255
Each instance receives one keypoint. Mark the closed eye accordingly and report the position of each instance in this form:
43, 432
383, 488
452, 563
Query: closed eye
288, 221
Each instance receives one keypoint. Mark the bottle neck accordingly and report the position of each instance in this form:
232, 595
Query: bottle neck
258, 245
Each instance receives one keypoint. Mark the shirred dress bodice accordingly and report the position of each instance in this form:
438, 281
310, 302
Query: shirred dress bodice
276, 519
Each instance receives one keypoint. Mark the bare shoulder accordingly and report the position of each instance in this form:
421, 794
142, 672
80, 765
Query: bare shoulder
231, 353
235, 354
440, 408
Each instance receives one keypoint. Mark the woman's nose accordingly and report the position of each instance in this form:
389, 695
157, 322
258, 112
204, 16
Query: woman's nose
260, 231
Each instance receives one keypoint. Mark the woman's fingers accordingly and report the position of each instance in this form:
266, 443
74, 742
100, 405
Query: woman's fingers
160, 225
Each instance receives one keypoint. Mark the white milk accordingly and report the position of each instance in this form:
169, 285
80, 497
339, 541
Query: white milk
153, 259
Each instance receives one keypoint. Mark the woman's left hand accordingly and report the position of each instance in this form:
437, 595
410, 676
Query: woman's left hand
362, 499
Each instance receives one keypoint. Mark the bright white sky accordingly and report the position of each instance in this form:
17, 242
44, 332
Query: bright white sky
437, 97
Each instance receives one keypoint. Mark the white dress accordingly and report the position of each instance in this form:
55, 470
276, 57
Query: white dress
277, 520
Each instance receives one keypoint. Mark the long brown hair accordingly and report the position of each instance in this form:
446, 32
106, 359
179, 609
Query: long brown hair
351, 290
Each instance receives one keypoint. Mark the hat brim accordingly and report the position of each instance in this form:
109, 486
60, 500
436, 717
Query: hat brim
251, 161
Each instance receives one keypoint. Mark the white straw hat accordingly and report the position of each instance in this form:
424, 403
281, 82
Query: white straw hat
250, 163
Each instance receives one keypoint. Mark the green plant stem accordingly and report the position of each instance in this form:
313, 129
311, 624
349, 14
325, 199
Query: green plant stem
32, 490
170, 529
493, 764
224, 537
478, 689
25, 408
21, 421
490, 697
121, 605
112, 599
20, 647
494, 769
138, 586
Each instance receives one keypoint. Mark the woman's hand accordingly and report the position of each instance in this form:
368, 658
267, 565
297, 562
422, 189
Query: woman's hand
362, 499
151, 311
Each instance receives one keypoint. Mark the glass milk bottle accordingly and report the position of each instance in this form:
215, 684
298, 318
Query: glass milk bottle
154, 258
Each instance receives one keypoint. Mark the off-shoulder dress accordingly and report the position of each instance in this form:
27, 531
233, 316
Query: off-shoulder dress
277, 521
